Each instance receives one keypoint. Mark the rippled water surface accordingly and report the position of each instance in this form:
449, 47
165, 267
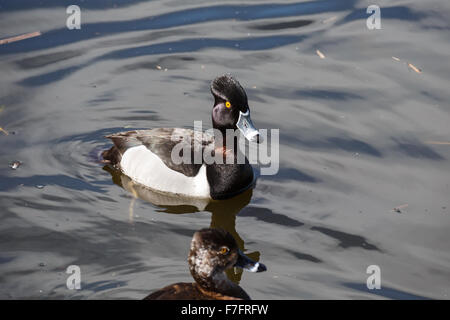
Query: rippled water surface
361, 133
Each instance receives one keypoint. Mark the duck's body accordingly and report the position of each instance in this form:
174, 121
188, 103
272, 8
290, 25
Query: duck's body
192, 291
212, 252
146, 157
152, 157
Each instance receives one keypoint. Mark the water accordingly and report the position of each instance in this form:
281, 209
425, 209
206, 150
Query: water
359, 134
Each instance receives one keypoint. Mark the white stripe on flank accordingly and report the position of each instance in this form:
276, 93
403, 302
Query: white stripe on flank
146, 168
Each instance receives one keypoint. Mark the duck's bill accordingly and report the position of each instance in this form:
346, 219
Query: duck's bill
246, 263
245, 125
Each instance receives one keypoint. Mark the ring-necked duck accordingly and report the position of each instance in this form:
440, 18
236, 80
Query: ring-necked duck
146, 155
212, 252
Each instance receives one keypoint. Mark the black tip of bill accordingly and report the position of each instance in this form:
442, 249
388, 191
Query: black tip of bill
246, 263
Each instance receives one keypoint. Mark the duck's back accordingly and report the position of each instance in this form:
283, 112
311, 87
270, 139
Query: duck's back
154, 158
186, 291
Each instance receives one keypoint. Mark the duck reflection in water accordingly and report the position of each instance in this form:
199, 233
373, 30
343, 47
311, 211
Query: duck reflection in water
223, 212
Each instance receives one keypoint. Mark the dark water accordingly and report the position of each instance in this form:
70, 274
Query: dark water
359, 135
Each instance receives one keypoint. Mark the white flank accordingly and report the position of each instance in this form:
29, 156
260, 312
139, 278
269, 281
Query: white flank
146, 168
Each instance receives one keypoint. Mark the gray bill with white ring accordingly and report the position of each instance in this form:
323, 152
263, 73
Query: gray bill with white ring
245, 125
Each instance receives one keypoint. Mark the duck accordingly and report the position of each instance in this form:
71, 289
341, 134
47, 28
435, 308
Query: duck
212, 251
146, 156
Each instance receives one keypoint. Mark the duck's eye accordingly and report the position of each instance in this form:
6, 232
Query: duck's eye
224, 250
228, 104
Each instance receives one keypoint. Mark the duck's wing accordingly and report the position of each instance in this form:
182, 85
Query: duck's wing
177, 291
161, 141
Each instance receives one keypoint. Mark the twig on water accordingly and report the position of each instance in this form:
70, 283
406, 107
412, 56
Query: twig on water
413, 67
4, 131
438, 142
21, 37
320, 54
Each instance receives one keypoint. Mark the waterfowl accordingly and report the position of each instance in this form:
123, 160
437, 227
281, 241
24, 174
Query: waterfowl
212, 252
146, 156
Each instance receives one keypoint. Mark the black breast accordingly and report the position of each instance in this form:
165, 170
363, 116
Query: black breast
228, 180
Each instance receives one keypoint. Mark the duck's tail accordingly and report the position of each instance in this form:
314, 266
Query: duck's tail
111, 156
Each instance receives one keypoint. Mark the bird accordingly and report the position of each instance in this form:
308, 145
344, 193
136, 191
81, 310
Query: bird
212, 251
152, 157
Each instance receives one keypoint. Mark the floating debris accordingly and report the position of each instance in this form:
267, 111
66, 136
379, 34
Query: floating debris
4, 131
398, 208
42, 264
320, 54
410, 65
438, 142
40, 186
15, 164
21, 37
158, 67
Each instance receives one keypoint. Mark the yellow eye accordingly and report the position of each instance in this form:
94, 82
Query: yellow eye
228, 104
224, 250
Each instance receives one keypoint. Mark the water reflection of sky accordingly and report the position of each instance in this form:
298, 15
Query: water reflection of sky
360, 134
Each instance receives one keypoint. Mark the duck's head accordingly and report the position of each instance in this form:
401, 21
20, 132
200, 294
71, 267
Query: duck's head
212, 252
231, 109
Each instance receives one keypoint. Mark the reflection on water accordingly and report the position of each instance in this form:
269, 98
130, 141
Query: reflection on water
223, 212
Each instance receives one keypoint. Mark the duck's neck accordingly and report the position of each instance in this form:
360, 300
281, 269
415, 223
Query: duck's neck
227, 141
232, 174
219, 283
